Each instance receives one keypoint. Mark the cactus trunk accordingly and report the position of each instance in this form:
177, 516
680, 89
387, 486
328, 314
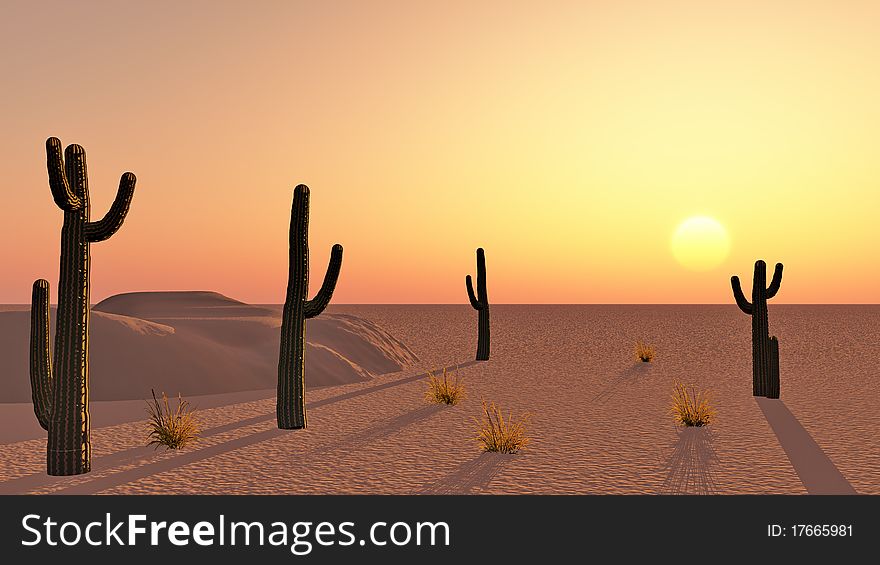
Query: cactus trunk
760, 347
290, 406
765, 349
480, 302
773, 374
483, 335
69, 444
60, 388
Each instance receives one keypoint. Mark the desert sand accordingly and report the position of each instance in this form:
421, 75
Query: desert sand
600, 420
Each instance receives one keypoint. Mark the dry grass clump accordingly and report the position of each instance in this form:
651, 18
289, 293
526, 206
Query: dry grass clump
645, 352
498, 435
692, 409
173, 429
442, 390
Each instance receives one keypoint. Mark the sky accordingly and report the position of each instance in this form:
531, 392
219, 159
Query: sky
570, 140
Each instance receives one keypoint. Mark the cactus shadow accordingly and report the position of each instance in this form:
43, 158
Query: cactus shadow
690, 468
471, 476
381, 430
376, 388
185, 458
816, 470
149, 467
624, 378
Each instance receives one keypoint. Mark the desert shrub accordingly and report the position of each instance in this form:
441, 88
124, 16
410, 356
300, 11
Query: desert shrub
691, 407
645, 352
499, 435
173, 429
442, 390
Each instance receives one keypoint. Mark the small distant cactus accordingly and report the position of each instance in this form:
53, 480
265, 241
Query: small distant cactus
60, 388
480, 302
290, 407
765, 349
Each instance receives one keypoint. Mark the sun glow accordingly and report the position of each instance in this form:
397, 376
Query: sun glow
700, 243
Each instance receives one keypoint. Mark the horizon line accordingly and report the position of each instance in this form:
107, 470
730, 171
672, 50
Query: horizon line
526, 303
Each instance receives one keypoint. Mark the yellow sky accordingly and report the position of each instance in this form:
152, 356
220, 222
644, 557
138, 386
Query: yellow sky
569, 139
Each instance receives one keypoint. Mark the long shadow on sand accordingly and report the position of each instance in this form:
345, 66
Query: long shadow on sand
690, 468
374, 433
816, 471
381, 430
624, 378
145, 454
470, 476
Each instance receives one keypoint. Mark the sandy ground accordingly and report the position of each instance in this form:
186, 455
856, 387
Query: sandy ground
600, 421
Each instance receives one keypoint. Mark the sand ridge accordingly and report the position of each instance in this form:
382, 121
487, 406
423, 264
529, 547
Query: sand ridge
197, 343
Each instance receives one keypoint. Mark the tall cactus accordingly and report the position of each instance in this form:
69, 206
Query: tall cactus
290, 407
60, 387
765, 349
480, 302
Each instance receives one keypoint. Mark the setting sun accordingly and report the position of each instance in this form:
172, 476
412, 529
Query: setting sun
700, 243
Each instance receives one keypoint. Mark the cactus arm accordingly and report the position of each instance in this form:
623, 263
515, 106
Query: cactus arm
316, 305
40, 363
470, 290
64, 197
776, 282
112, 221
741, 301
76, 171
481, 277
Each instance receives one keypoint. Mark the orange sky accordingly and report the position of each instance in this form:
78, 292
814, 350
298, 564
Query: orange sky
569, 140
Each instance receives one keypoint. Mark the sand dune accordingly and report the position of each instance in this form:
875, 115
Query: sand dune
178, 304
198, 343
